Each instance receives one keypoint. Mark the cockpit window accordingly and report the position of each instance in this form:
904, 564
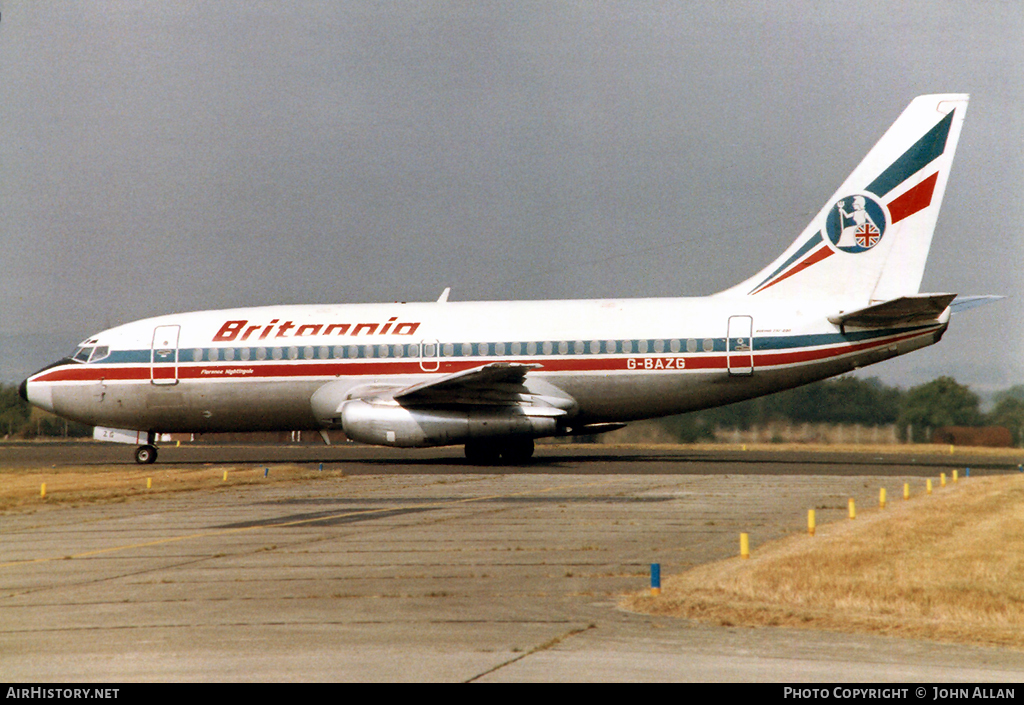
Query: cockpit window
89, 353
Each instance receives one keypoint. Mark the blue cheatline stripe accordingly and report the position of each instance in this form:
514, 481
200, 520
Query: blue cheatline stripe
648, 346
809, 341
914, 159
808, 246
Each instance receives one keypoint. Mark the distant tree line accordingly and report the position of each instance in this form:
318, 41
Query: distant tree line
917, 412
19, 420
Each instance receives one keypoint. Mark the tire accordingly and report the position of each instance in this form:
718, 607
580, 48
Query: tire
145, 455
483, 452
517, 450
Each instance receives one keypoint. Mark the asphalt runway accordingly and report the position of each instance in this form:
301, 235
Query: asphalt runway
586, 459
394, 566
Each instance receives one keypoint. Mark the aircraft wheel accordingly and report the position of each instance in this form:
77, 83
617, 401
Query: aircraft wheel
482, 452
517, 450
145, 455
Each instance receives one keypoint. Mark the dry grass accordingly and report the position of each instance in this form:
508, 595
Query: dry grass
948, 567
20, 488
1014, 455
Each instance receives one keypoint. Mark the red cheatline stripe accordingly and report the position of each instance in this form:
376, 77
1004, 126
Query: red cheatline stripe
329, 369
764, 360
914, 200
813, 258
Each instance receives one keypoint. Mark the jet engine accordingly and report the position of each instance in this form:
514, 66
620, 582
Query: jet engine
390, 424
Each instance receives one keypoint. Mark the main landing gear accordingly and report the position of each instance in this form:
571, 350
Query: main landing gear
146, 454
511, 451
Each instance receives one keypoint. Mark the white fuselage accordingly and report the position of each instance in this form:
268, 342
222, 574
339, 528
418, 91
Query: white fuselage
619, 360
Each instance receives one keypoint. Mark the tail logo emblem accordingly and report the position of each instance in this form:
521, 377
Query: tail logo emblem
856, 223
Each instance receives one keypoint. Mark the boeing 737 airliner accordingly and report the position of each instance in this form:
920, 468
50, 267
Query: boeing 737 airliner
494, 376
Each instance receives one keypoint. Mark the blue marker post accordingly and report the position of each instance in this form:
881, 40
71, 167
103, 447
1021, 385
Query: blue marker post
321, 467
967, 472
266, 471
655, 579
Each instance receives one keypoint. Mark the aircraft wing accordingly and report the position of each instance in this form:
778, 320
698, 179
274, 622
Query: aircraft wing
902, 311
496, 384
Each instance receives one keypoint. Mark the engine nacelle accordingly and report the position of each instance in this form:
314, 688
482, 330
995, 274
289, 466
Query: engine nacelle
389, 424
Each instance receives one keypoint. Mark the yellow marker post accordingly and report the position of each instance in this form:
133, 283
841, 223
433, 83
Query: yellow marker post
942, 479
149, 483
954, 477
225, 476
881, 498
928, 485
853, 509
906, 490
810, 522
744, 546
42, 491
951, 450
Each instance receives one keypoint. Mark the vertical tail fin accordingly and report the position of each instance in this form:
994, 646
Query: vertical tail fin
870, 241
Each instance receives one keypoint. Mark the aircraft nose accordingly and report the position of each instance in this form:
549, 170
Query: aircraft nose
38, 393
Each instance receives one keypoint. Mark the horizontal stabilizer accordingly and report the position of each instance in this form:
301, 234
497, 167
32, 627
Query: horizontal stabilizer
964, 303
906, 310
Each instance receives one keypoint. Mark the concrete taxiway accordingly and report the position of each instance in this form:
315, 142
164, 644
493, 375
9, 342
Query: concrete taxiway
428, 569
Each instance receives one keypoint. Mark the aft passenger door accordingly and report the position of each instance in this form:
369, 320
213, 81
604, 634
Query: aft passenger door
163, 356
740, 345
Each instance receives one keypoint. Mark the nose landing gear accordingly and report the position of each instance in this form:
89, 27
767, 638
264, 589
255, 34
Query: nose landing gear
146, 454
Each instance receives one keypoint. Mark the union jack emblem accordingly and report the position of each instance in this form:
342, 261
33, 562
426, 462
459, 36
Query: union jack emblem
867, 235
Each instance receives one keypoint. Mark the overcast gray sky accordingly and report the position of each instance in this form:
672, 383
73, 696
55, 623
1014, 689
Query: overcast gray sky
169, 156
